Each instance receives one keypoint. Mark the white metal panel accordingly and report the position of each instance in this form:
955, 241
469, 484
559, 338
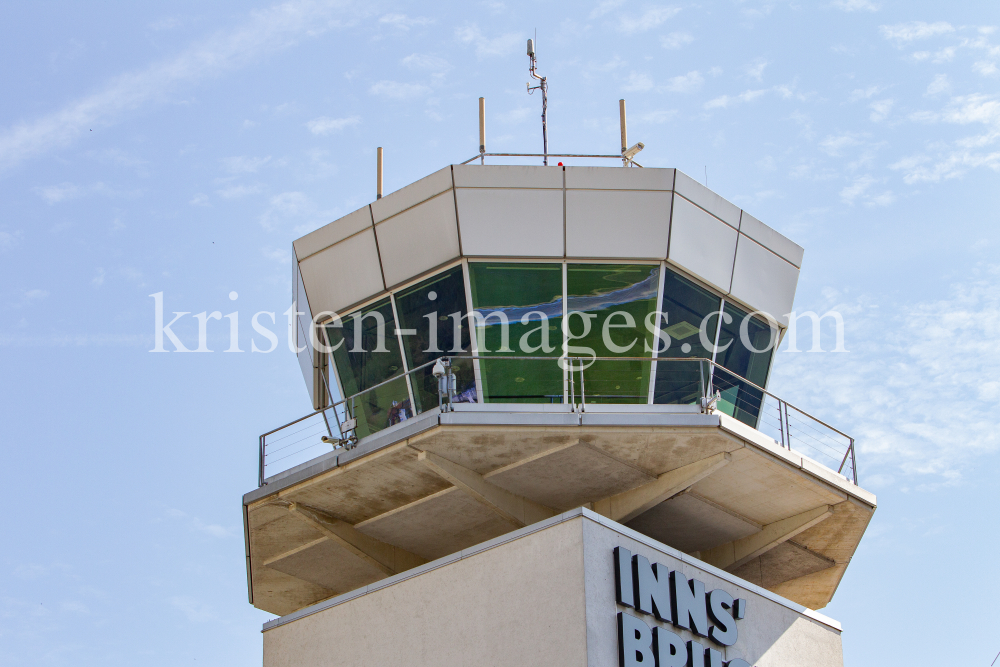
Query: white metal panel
418, 239
708, 200
771, 239
411, 195
622, 223
763, 280
702, 244
336, 231
619, 178
513, 222
504, 176
343, 274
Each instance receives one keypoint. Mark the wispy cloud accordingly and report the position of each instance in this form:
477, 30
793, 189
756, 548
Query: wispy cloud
676, 40
855, 5
652, 18
685, 83
834, 145
502, 45
604, 7
193, 609
238, 191
324, 125
880, 110
54, 194
243, 164
420, 61
939, 85
755, 70
404, 22
724, 101
886, 391
267, 30
902, 33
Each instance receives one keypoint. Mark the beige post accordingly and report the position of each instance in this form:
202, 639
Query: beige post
621, 112
378, 194
482, 124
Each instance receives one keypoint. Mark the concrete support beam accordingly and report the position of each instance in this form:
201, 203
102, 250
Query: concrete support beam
387, 558
627, 505
731, 556
514, 509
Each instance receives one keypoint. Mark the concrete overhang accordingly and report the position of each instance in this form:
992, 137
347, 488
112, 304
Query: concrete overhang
705, 484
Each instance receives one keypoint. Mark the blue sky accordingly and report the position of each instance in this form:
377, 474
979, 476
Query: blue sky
181, 147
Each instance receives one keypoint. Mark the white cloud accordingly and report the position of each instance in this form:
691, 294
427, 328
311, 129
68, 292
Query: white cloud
902, 33
419, 61
515, 115
855, 5
856, 189
658, 116
604, 7
271, 29
651, 18
834, 144
755, 70
865, 93
506, 44
200, 199
325, 125
35, 295
244, 165
887, 390
638, 82
985, 67
404, 22
98, 280
398, 91
685, 83
939, 85
54, 194
880, 110
724, 101
676, 40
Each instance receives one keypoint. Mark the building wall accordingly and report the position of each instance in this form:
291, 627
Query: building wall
521, 603
771, 635
544, 596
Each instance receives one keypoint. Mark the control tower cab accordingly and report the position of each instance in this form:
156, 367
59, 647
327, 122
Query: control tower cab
518, 374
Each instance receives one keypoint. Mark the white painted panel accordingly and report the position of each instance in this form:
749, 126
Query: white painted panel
411, 195
771, 239
708, 200
503, 176
418, 239
342, 274
619, 178
622, 223
702, 244
518, 223
336, 231
763, 280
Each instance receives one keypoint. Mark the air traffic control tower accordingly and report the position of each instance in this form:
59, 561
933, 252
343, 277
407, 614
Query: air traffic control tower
542, 435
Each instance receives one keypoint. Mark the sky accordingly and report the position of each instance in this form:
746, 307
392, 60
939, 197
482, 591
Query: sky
179, 148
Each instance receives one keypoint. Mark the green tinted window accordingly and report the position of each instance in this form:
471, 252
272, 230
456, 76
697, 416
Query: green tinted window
613, 302
528, 297
427, 310
749, 344
686, 308
367, 353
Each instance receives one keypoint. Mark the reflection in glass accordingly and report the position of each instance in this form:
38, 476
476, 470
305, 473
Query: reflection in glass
615, 301
686, 307
426, 309
739, 399
517, 293
362, 364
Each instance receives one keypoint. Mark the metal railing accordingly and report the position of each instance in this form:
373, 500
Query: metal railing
482, 156
576, 381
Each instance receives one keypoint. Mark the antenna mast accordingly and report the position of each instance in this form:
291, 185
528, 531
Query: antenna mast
544, 86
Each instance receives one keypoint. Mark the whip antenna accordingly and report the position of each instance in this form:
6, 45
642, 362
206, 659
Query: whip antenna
543, 85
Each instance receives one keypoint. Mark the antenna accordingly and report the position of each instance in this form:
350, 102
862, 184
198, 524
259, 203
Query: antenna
543, 85
482, 130
378, 178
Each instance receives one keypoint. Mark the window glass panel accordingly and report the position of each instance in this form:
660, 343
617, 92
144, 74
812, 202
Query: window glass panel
748, 356
361, 364
620, 296
427, 309
512, 292
686, 308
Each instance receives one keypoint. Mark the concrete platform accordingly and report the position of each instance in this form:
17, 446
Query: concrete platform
548, 594
705, 484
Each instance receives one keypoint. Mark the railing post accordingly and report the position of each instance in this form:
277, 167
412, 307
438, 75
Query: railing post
781, 422
260, 473
583, 390
854, 464
788, 427
572, 383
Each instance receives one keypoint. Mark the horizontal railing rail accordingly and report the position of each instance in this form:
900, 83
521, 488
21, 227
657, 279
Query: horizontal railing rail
482, 156
448, 381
